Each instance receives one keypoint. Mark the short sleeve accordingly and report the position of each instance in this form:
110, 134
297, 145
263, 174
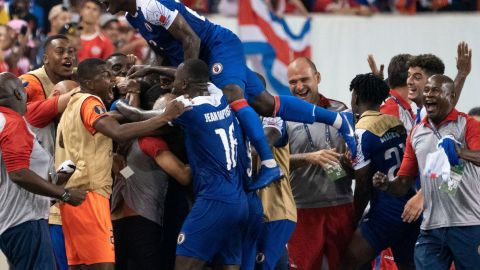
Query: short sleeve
34, 88
157, 13
92, 110
41, 113
409, 166
472, 134
16, 143
363, 153
152, 146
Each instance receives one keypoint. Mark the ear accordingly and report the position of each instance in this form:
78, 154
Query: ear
45, 59
318, 77
17, 94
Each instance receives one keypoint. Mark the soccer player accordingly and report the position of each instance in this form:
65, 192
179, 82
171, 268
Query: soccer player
381, 142
181, 34
450, 228
214, 226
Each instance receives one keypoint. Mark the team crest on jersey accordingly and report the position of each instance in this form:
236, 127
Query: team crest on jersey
149, 27
96, 50
162, 19
217, 68
153, 43
99, 109
260, 258
181, 238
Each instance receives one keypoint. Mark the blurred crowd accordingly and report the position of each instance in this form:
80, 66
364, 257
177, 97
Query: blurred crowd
24, 24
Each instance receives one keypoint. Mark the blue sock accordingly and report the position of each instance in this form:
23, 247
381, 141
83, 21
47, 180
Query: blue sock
250, 123
297, 110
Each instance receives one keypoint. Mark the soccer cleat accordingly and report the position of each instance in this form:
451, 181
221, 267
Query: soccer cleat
347, 132
265, 176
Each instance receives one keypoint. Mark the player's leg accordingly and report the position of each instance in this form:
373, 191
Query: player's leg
404, 247
358, 252
271, 246
229, 73
464, 242
252, 231
432, 251
294, 109
206, 230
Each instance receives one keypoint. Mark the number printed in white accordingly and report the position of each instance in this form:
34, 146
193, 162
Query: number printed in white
229, 145
394, 153
193, 12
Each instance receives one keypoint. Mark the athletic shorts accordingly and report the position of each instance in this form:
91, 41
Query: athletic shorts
213, 230
228, 66
381, 232
272, 241
28, 246
252, 231
88, 231
58, 242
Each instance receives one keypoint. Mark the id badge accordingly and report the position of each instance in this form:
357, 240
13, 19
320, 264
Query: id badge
126, 172
450, 185
335, 172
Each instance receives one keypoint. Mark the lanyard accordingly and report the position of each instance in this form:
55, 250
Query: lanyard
434, 129
328, 139
401, 105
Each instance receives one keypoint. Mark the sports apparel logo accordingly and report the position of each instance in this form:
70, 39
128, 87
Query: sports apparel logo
99, 109
149, 28
217, 68
162, 19
181, 238
96, 50
260, 257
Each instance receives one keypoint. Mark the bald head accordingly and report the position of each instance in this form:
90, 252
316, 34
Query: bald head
63, 87
304, 60
12, 93
443, 80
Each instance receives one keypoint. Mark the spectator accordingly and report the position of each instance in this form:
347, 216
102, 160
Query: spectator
93, 44
110, 28
73, 32
324, 203
24, 236
58, 17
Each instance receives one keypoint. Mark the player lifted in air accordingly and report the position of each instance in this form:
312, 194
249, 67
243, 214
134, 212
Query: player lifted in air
179, 33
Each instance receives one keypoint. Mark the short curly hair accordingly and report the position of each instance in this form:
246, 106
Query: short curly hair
430, 63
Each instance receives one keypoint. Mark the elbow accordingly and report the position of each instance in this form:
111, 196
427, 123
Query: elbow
17, 176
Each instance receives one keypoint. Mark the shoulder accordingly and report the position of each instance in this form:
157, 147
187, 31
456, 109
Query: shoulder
337, 105
377, 123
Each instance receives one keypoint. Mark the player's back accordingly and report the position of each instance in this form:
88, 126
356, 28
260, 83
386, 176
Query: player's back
154, 17
382, 143
211, 142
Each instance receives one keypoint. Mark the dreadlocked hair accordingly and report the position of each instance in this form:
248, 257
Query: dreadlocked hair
370, 88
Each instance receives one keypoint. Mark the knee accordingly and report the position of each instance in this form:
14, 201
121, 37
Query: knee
233, 92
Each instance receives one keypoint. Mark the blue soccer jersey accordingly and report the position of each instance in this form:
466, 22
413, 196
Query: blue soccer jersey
211, 142
220, 48
383, 153
154, 18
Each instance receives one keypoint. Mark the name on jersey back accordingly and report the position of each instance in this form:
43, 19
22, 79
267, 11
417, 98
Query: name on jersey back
218, 115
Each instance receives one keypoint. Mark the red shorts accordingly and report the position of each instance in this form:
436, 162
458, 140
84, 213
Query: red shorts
320, 231
88, 231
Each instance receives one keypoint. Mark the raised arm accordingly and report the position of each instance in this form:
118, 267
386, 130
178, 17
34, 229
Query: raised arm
464, 66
